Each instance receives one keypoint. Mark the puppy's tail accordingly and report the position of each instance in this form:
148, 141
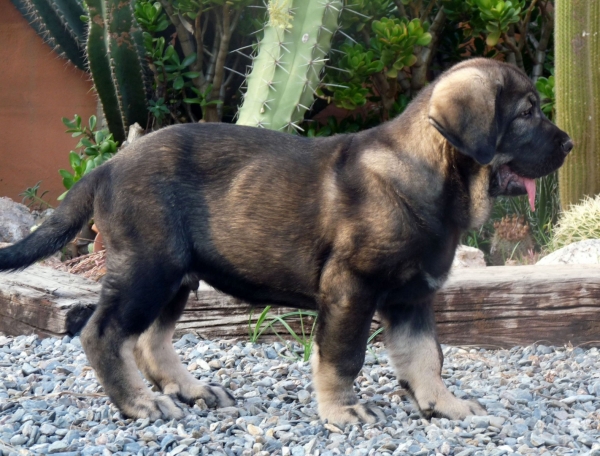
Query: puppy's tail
56, 231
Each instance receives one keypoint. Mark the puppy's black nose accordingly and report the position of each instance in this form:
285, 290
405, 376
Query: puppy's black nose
567, 146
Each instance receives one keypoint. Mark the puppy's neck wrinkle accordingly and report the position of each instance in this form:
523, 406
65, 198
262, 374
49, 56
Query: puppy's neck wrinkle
472, 204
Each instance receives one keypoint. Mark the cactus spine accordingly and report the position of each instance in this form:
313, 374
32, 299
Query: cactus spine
116, 61
577, 53
286, 71
59, 23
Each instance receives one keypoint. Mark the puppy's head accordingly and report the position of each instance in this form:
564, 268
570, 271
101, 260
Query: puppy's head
491, 112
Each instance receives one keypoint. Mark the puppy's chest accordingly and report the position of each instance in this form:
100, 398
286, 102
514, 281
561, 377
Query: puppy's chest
414, 266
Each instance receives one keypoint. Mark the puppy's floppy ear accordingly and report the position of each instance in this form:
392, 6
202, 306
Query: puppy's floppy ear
463, 109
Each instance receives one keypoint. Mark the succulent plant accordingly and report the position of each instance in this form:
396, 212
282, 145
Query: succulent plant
286, 71
577, 51
512, 240
59, 23
578, 223
116, 60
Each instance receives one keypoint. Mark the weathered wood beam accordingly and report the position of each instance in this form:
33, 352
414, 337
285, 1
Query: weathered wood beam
494, 306
41, 300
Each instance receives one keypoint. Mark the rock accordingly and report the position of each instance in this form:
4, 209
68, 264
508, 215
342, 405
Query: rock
582, 252
18, 439
15, 220
303, 396
47, 429
254, 430
468, 257
497, 421
57, 447
578, 398
215, 364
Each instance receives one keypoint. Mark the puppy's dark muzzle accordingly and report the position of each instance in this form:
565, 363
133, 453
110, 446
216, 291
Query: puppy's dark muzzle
567, 146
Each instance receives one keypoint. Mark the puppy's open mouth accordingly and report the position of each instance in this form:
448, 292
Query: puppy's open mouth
512, 184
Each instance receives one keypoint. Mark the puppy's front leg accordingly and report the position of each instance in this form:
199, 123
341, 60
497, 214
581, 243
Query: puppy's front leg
346, 310
417, 357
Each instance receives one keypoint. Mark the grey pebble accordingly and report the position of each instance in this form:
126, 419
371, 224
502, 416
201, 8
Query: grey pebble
529, 410
18, 439
58, 447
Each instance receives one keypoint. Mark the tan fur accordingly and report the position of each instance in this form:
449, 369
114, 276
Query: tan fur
335, 393
117, 372
417, 361
156, 358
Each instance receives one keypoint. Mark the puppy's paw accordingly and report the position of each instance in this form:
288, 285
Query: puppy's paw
152, 407
453, 408
351, 414
210, 395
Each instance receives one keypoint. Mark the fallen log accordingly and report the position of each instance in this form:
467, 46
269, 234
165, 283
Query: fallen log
495, 306
40, 300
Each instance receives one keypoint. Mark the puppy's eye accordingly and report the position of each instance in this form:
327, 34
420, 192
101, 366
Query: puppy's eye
527, 112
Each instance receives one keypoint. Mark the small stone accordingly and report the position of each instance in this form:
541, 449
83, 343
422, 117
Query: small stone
578, 398
254, 430
47, 429
270, 353
58, 447
203, 365
586, 440
497, 421
18, 440
298, 451
215, 364
71, 435
536, 439
414, 449
178, 449
480, 422
445, 449
28, 369
308, 448
304, 396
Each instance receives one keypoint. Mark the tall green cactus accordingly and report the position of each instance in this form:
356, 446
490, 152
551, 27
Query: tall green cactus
116, 60
577, 53
286, 71
59, 23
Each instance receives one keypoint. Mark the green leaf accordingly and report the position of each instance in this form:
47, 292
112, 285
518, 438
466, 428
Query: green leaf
92, 122
74, 160
99, 136
493, 38
392, 73
105, 147
178, 83
68, 182
65, 174
424, 40
188, 60
90, 165
86, 142
68, 123
62, 196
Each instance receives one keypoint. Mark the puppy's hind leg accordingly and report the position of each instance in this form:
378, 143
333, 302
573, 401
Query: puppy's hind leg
156, 358
129, 302
417, 357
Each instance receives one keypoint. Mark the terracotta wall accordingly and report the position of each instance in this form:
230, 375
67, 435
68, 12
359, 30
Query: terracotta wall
37, 89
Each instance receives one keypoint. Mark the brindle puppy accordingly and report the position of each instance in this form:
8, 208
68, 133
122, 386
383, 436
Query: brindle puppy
348, 225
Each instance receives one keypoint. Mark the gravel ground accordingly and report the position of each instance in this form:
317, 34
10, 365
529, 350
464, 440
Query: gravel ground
541, 400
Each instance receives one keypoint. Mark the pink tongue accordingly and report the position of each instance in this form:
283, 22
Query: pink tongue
530, 187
